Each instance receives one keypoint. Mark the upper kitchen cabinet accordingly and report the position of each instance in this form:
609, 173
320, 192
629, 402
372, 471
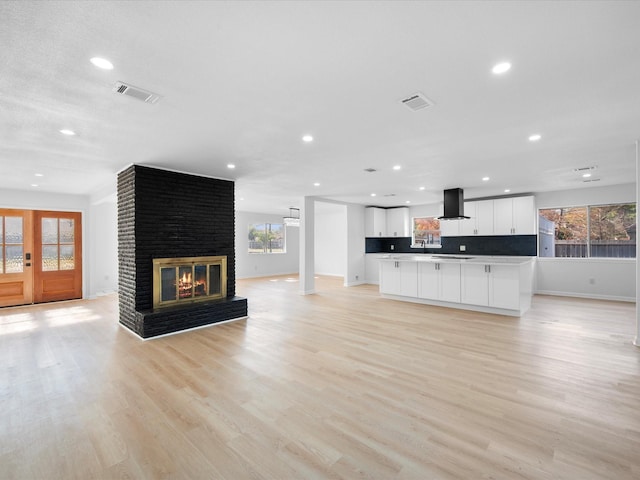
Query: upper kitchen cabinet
398, 222
514, 216
387, 222
481, 221
450, 228
375, 222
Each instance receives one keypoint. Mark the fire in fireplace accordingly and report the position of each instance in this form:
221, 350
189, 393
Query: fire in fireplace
189, 279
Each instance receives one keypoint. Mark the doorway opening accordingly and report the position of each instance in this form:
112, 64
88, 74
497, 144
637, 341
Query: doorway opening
40, 256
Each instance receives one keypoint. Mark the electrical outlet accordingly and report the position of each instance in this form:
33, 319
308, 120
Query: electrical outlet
357, 277
392, 247
592, 281
463, 248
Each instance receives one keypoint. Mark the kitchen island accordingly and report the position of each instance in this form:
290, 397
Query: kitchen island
502, 285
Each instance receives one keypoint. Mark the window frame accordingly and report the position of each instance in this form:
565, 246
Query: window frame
438, 233
267, 249
588, 240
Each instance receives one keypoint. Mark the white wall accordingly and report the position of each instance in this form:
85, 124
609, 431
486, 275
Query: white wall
103, 256
258, 264
613, 278
429, 210
330, 237
355, 266
587, 196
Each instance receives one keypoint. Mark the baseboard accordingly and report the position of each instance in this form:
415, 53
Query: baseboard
267, 275
585, 295
353, 284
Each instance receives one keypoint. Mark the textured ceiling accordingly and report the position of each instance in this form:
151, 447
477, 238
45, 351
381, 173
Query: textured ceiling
241, 82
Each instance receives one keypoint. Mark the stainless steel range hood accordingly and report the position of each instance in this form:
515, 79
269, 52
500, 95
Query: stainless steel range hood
453, 204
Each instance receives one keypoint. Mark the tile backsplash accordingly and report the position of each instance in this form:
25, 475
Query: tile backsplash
512, 245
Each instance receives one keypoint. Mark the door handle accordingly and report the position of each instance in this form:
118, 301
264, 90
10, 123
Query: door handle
27, 256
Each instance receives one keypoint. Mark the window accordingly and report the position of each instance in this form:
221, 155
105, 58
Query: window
58, 244
427, 230
11, 245
266, 238
607, 231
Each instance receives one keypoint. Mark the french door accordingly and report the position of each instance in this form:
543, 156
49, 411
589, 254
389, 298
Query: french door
16, 243
41, 259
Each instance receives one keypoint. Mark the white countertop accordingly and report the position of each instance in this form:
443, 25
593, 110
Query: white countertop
457, 258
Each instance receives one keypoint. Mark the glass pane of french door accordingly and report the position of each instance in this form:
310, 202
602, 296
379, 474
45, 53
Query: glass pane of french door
12, 244
58, 244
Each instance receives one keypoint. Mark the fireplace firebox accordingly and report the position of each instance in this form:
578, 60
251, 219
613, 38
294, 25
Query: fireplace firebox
178, 281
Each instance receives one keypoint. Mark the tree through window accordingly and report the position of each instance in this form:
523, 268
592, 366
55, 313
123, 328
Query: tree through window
595, 231
266, 238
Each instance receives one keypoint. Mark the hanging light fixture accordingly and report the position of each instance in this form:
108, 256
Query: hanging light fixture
293, 220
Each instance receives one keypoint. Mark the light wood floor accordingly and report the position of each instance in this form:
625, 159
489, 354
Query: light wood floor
342, 384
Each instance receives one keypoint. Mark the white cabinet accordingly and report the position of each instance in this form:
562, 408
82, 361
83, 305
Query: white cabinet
399, 278
387, 222
375, 222
474, 284
491, 285
428, 281
501, 285
504, 286
398, 222
524, 216
449, 282
439, 281
514, 216
450, 228
481, 221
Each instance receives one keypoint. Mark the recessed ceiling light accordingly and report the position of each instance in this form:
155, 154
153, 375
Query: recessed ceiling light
373, 194
506, 190
535, 138
586, 175
102, 63
39, 175
66, 131
307, 138
422, 188
241, 198
408, 201
316, 184
397, 167
231, 166
34, 184
485, 179
501, 68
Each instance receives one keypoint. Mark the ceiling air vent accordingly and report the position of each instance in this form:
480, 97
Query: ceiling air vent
417, 101
589, 180
135, 92
370, 170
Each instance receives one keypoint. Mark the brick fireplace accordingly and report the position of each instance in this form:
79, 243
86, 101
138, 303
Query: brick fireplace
164, 215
